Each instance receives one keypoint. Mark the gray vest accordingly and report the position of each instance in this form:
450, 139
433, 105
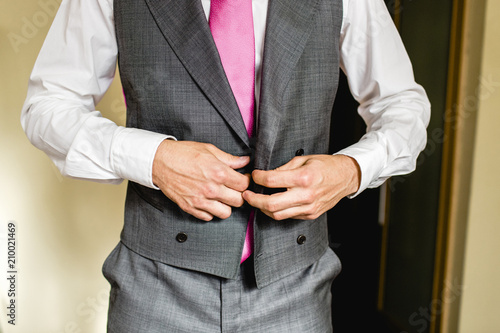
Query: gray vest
175, 84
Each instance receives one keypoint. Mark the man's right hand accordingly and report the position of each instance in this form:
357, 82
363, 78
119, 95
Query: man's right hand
200, 178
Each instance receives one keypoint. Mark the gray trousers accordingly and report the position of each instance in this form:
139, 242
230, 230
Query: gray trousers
152, 297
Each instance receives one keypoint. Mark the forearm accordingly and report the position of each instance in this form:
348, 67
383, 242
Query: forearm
394, 107
73, 71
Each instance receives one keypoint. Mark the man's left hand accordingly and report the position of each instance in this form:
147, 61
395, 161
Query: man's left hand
313, 183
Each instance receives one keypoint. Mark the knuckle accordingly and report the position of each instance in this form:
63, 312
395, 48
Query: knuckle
270, 206
218, 175
312, 213
197, 202
269, 180
305, 178
210, 190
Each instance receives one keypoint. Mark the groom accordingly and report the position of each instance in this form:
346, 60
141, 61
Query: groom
225, 147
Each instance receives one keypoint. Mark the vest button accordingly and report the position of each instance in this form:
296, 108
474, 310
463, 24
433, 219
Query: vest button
301, 239
181, 237
299, 152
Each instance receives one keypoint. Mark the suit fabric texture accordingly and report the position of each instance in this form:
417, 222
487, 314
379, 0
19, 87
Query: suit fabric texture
149, 296
174, 83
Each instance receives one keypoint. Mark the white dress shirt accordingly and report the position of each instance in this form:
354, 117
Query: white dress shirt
77, 64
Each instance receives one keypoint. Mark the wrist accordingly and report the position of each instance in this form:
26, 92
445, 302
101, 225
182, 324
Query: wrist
159, 161
353, 171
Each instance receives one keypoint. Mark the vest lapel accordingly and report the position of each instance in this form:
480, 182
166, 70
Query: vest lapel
288, 28
185, 27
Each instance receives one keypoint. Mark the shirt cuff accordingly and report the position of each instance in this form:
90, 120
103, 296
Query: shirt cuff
371, 158
132, 154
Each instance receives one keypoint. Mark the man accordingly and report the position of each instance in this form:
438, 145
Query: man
225, 224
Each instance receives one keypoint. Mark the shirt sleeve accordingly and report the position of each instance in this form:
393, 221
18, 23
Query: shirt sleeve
394, 107
75, 67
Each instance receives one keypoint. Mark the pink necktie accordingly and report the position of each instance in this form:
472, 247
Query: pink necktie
231, 23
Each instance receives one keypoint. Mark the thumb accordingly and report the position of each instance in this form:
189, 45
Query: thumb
294, 163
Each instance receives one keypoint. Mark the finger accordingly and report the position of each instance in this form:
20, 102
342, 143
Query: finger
294, 163
254, 199
200, 214
282, 178
201, 201
265, 205
198, 196
216, 209
307, 212
245, 183
189, 208
230, 178
277, 212
310, 211
228, 196
206, 209
275, 202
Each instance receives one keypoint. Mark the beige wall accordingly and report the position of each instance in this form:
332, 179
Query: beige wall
65, 227
480, 307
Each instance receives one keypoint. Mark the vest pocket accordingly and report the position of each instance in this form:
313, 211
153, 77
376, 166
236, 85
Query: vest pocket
151, 196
